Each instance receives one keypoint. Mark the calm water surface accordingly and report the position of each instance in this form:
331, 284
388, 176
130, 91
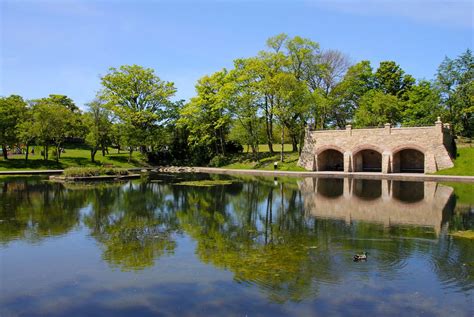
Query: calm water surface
244, 247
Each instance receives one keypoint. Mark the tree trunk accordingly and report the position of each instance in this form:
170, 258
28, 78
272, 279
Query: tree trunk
27, 150
222, 141
103, 150
58, 149
4, 151
269, 126
130, 154
282, 142
294, 144
93, 152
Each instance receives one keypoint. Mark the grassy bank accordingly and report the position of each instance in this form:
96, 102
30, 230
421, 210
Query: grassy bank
247, 161
93, 171
463, 164
73, 157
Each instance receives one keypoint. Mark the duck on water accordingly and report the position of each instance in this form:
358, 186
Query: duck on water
360, 257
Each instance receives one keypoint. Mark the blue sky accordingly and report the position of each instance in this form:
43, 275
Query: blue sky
64, 46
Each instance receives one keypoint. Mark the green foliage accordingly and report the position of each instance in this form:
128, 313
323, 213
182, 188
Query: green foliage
93, 171
139, 98
376, 108
206, 116
53, 119
422, 106
455, 80
218, 161
12, 114
99, 124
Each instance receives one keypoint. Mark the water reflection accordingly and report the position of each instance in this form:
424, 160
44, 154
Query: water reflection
425, 204
291, 240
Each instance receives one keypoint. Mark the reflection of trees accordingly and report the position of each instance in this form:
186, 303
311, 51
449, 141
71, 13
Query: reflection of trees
133, 223
259, 235
256, 229
31, 209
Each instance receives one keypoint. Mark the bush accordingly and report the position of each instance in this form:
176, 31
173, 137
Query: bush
93, 171
218, 161
233, 147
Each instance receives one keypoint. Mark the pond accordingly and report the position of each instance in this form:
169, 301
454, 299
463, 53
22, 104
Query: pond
209, 245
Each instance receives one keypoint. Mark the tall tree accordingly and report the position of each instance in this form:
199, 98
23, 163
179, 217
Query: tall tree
12, 113
98, 122
242, 90
455, 80
423, 105
138, 97
206, 116
53, 122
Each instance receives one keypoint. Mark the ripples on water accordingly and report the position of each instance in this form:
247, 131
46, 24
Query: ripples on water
254, 246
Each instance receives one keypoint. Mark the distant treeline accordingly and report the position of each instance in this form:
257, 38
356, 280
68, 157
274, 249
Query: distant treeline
271, 97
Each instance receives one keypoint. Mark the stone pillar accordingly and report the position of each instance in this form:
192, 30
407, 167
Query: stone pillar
347, 192
439, 128
430, 163
348, 162
388, 128
349, 129
315, 163
430, 191
386, 160
386, 192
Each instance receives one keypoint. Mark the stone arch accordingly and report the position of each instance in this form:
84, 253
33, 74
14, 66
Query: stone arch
330, 158
408, 158
367, 158
329, 147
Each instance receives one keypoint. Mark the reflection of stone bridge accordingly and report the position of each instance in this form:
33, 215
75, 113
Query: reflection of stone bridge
383, 201
386, 150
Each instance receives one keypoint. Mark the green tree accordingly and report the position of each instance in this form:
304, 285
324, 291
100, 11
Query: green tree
346, 95
423, 105
53, 122
12, 113
243, 94
391, 79
138, 97
376, 108
455, 80
206, 116
98, 122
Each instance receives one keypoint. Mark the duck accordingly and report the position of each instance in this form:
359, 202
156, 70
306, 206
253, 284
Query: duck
360, 257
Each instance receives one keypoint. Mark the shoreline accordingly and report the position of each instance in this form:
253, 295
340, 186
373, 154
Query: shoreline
215, 170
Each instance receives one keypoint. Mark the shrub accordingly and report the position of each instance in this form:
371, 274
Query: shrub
218, 161
93, 171
233, 147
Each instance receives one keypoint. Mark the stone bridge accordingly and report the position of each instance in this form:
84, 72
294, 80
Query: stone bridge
386, 150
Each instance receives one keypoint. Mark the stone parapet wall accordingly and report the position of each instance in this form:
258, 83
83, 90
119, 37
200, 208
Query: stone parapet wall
435, 143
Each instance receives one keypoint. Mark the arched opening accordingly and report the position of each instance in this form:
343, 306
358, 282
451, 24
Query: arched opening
331, 160
368, 161
408, 192
367, 189
409, 161
330, 187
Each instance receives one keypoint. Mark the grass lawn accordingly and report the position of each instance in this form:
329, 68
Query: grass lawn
463, 164
247, 161
264, 148
73, 157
